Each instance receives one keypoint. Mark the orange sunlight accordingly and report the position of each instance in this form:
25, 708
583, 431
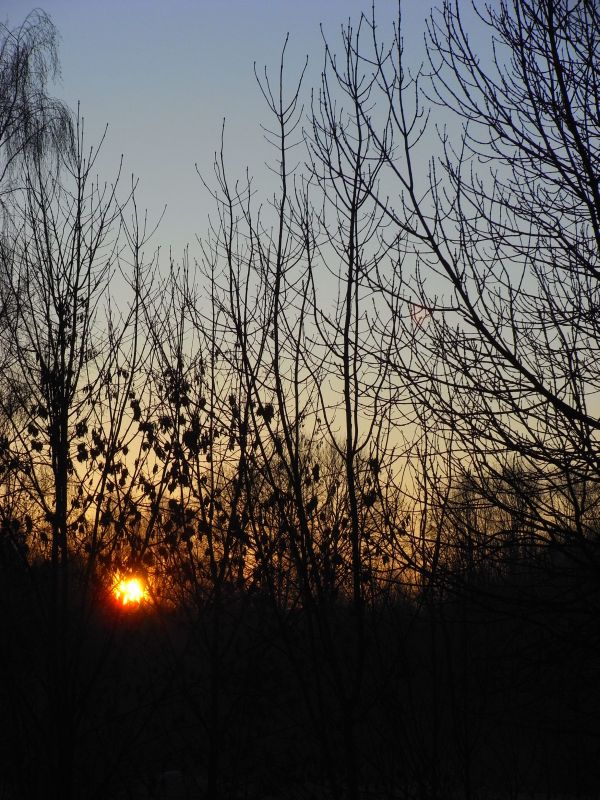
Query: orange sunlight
130, 592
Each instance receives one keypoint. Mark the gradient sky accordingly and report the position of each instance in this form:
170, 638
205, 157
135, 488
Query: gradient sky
163, 75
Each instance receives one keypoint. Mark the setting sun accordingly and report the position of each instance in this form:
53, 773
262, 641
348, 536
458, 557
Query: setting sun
130, 591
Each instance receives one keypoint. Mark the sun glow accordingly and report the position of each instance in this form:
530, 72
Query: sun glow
130, 592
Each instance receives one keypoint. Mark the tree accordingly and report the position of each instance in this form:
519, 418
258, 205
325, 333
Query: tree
502, 359
489, 317
306, 392
76, 371
30, 120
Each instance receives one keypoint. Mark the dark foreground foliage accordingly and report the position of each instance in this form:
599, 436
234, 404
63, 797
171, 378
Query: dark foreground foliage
490, 692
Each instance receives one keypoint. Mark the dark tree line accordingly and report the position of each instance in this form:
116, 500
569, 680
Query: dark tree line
351, 446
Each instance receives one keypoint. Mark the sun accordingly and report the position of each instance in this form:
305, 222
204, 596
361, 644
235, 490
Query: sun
130, 591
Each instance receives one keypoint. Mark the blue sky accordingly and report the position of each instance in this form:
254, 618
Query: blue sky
163, 75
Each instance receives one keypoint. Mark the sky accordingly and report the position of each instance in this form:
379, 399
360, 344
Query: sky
164, 76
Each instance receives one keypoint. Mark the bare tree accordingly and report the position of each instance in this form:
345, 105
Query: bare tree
75, 364
307, 392
31, 121
501, 353
492, 302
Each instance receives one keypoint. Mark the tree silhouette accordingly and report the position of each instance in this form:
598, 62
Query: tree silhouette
353, 445
73, 369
